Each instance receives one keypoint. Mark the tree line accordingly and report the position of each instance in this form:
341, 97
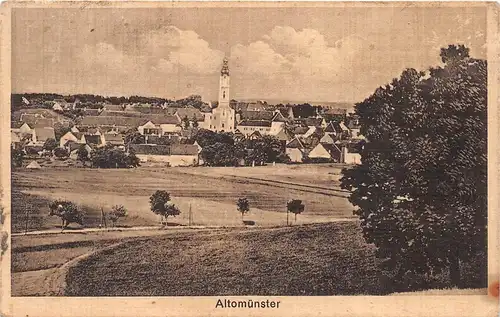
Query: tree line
160, 203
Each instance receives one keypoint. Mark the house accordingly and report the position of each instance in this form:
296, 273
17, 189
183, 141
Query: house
248, 127
255, 135
283, 135
57, 106
149, 128
279, 117
115, 139
73, 148
33, 165
327, 138
76, 137
164, 126
40, 135
354, 127
257, 115
295, 150
311, 131
315, 122
36, 120
172, 155
350, 152
111, 122
338, 130
257, 106
286, 112
184, 155
337, 114
93, 140
299, 131
324, 152
238, 135
332, 129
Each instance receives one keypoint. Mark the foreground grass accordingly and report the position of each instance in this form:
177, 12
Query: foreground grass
327, 259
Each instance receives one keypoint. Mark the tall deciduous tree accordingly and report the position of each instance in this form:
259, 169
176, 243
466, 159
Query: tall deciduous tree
420, 191
243, 206
162, 205
296, 207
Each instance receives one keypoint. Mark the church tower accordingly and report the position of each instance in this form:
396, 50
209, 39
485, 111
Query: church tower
224, 85
223, 117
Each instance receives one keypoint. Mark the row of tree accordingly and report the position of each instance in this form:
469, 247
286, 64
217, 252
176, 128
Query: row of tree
223, 149
160, 203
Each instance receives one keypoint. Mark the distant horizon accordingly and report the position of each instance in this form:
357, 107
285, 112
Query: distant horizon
269, 101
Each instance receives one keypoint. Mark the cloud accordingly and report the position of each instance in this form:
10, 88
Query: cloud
180, 49
304, 53
168, 50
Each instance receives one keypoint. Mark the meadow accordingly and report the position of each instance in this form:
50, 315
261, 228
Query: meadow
210, 193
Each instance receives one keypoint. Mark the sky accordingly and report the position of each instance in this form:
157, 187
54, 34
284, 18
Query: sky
296, 54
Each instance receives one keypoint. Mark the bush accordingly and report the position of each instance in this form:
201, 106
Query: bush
61, 152
117, 212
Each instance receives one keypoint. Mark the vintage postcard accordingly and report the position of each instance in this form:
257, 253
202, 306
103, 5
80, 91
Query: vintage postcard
249, 158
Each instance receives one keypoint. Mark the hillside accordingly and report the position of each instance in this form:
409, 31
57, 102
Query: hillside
320, 259
329, 259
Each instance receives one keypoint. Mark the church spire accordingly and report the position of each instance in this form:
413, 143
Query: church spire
225, 67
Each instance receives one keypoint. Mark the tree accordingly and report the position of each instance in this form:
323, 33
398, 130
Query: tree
265, 150
222, 154
162, 205
133, 160
50, 145
60, 130
82, 154
421, 191
117, 212
185, 122
206, 137
16, 157
60, 152
112, 157
295, 206
134, 137
67, 211
243, 206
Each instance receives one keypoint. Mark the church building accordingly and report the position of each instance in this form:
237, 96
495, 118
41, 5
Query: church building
222, 118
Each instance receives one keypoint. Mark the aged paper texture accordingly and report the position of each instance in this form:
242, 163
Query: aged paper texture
249, 158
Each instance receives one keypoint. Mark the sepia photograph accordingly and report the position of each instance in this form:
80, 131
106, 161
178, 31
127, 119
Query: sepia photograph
249, 150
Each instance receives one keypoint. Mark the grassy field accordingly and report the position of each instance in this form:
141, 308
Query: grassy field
211, 194
321, 259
